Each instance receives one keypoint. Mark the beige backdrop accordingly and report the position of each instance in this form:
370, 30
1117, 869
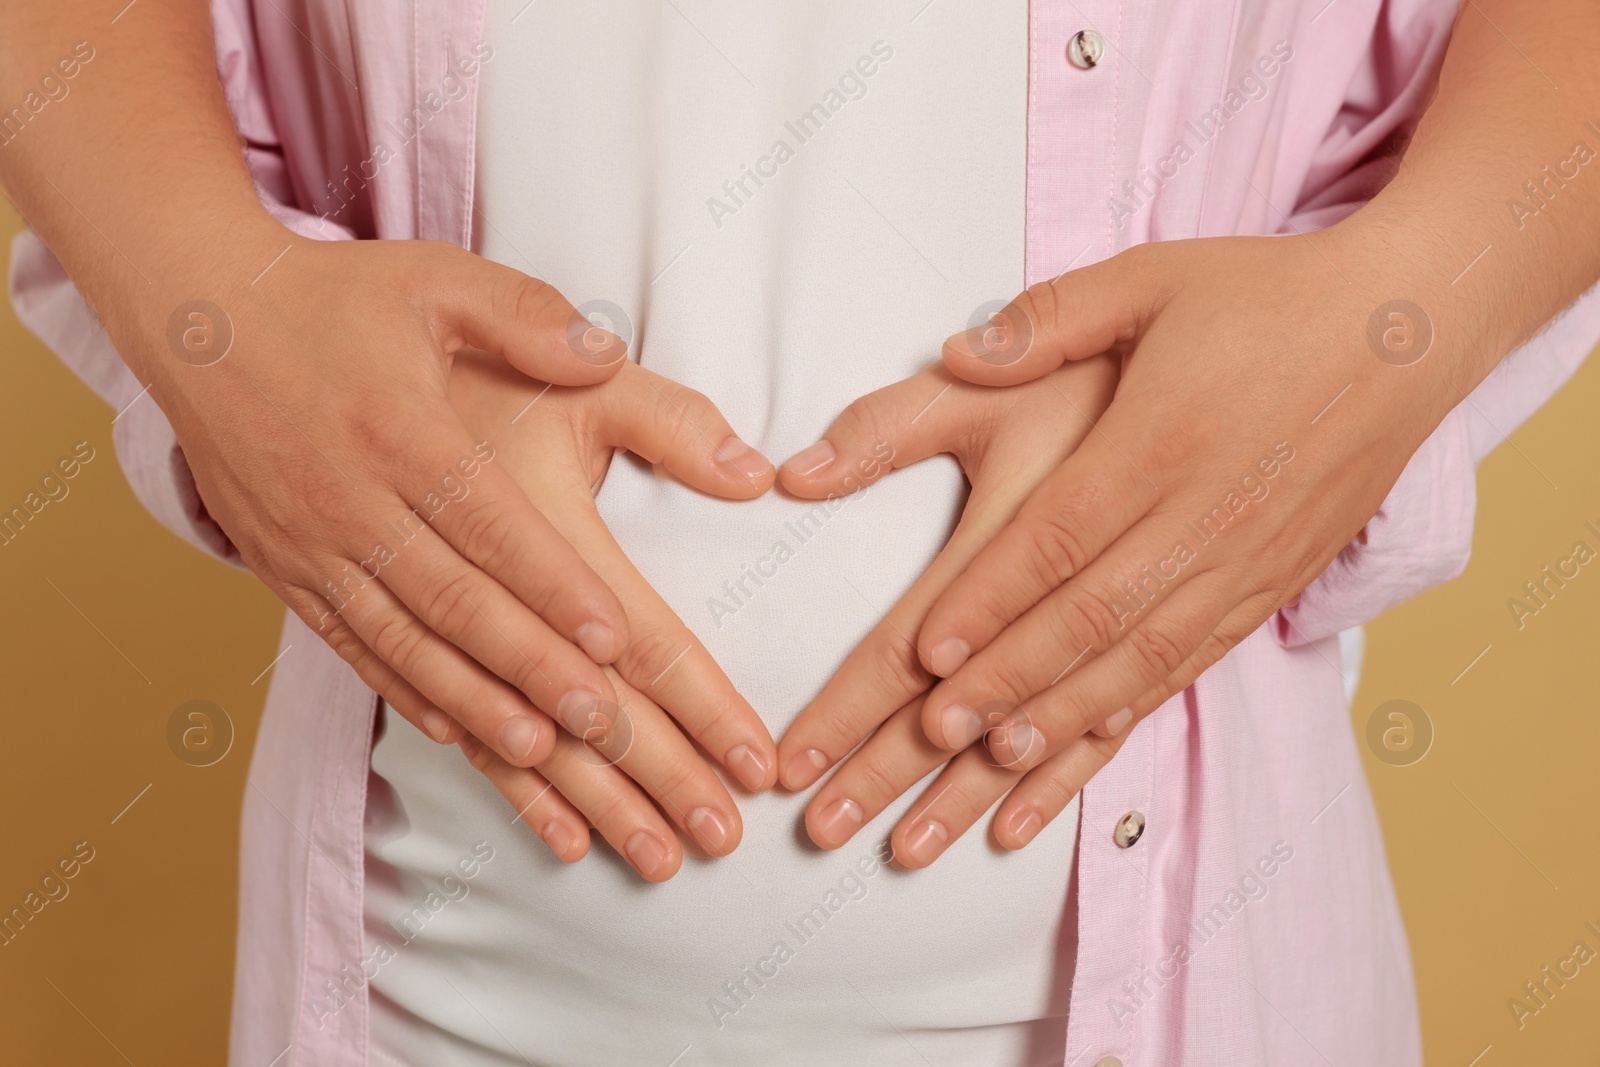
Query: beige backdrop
111, 623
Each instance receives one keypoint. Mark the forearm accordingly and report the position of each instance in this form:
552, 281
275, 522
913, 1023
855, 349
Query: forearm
1492, 222
131, 171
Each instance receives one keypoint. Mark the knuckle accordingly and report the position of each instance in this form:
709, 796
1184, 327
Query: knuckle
1084, 619
649, 655
1059, 549
862, 420
1155, 650
522, 298
446, 607
877, 780
1008, 679
399, 642
900, 675
483, 534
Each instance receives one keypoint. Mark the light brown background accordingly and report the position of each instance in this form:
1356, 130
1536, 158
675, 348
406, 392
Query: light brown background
110, 623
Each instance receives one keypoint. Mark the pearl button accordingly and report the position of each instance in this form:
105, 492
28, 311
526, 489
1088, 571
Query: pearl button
1129, 829
1086, 49
1108, 1061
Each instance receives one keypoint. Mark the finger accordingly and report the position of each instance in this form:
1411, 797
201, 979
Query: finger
470, 610
644, 744
1074, 316
663, 659
376, 674
896, 757
536, 801
968, 787
448, 678
924, 415
532, 326
1192, 621
1065, 631
1045, 791
1084, 506
487, 518
617, 807
883, 672
681, 429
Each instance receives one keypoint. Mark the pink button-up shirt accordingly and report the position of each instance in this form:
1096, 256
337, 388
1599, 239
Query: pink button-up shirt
1253, 922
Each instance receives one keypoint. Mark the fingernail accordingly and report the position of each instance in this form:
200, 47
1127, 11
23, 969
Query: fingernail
645, 852
1024, 824
803, 768
558, 837
742, 458
1115, 724
709, 827
812, 460
437, 723
948, 656
517, 738
924, 843
748, 765
1017, 746
583, 713
838, 821
961, 726
597, 641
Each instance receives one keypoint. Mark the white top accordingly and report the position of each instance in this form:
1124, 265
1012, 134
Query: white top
606, 138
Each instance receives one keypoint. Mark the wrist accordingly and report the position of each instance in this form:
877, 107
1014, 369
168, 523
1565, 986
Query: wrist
209, 260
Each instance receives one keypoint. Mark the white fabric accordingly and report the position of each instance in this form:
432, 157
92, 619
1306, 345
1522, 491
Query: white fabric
604, 133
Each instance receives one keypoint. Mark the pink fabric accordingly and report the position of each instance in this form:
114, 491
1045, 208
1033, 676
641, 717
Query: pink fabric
1254, 922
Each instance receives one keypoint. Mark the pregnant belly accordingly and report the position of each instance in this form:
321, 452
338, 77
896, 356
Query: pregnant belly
738, 960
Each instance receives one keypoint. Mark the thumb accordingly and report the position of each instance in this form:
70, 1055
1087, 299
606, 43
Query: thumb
527, 322
681, 429
1076, 315
921, 416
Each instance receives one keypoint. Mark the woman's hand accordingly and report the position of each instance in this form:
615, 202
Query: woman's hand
1007, 441
556, 444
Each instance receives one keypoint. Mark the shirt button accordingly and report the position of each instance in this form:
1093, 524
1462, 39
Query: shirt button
1129, 829
1086, 49
1108, 1061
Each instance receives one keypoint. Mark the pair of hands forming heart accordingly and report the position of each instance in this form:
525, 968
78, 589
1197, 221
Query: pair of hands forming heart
1135, 512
